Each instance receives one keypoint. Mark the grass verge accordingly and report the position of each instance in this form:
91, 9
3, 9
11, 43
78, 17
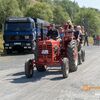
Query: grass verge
91, 40
1, 43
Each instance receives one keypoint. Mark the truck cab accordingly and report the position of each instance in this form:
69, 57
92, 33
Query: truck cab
19, 34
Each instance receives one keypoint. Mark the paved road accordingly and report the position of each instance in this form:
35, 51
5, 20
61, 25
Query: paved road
49, 85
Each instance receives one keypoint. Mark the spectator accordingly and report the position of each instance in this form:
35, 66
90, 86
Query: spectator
98, 40
94, 39
86, 39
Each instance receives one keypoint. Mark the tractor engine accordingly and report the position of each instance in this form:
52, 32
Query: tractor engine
48, 52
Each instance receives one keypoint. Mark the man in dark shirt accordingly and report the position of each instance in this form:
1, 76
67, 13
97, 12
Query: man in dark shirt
53, 32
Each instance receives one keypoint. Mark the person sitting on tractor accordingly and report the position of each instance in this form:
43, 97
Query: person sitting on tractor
53, 33
61, 31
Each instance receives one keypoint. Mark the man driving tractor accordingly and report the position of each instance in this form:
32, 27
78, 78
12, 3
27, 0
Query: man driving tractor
53, 33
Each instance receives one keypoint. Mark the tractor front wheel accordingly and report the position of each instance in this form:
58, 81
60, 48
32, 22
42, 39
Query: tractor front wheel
72, 53
29, 69
65, 68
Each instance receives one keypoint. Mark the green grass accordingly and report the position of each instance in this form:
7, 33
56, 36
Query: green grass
1, 43
91, 40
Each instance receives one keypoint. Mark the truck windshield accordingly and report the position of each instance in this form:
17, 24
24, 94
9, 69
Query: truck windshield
18, 26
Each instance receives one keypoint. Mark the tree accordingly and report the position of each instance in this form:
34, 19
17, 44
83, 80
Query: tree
40, 10
89, 18
46, 1
8, 8
70, 7
24, 4
59, 15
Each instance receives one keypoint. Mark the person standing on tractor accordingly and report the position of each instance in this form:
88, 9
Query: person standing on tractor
68, 26
78, 36
77, 32
83, 34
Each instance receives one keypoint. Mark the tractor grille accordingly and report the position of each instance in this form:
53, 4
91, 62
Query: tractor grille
45, 47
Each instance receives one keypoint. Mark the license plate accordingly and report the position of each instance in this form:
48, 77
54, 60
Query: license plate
45, 52
17, 43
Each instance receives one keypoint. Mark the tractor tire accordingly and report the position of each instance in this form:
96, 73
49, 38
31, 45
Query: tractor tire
65, 68
41, 68
29, 69
83, 55
72, 53
79, 58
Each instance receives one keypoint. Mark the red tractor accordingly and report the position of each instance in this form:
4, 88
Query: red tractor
50, 52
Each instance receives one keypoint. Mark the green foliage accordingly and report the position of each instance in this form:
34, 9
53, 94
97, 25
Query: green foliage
56, 11
46, 1
88, 18
23, 5
60, 16
70, 7
8, 8
1, 42
40, 10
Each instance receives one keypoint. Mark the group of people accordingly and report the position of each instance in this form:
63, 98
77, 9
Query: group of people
79, 32
96, 39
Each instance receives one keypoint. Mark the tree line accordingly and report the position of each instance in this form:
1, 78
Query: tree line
54, 11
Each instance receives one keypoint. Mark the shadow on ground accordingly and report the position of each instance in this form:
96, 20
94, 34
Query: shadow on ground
21, 78
14, 54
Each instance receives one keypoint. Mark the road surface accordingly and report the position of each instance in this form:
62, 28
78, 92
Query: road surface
50, 85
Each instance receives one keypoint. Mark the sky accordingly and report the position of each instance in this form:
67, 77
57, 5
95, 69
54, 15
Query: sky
89, 3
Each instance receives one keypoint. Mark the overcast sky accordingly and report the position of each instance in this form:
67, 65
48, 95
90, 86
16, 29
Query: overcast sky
89, 3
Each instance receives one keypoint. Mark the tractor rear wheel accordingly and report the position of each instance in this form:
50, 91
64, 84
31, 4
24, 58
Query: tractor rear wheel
72, 53
79, 58
41, 68
83, 55
29, 69
65, 68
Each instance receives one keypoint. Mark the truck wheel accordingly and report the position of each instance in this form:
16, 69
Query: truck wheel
83, 55
29, 69
65, 68
79, 58
41, 68
8, 51
72, 53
